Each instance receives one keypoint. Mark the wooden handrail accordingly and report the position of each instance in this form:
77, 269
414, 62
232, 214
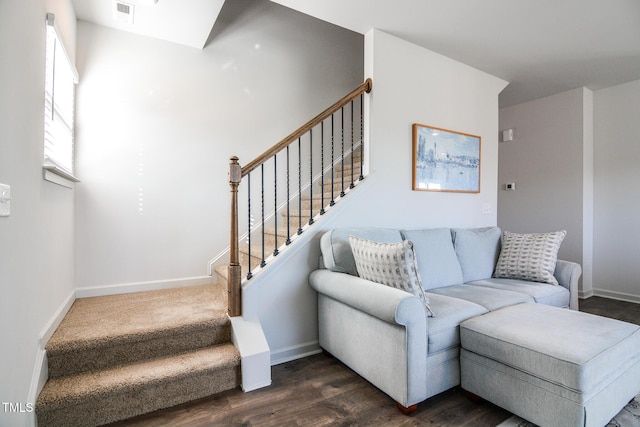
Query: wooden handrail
363, 87
236, 173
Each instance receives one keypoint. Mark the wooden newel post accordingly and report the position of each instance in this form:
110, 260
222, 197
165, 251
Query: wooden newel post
235, 274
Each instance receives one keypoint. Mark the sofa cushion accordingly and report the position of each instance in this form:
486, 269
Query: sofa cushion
437, 260
336, 250
391, 264
477, 250
542, 293
529, 256
491, 299
443, 331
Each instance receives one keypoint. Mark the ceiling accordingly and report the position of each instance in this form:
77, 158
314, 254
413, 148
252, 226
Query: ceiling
187, 22
541, 47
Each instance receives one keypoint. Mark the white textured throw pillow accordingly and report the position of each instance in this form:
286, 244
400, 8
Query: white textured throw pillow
391, 264
529, 256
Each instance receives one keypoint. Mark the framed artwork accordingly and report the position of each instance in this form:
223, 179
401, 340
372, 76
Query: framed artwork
445, 160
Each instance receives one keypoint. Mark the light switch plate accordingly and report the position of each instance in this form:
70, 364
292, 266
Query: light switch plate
5, 200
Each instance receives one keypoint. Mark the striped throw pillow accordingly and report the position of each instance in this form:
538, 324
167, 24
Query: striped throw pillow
391, 264
529, 256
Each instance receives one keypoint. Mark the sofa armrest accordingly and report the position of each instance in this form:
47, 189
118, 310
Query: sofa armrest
384, 302
568, 274
378, 331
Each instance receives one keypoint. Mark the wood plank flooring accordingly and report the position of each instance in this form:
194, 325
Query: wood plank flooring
321, 391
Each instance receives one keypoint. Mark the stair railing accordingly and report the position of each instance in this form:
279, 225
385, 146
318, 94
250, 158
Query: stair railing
349, 142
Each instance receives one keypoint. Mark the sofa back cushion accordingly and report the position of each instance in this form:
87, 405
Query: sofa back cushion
478, 250
437, 260
336, 250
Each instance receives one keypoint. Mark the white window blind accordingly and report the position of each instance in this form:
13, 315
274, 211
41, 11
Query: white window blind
60, 80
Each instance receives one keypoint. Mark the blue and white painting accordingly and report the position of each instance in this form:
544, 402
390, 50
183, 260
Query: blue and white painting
445, 160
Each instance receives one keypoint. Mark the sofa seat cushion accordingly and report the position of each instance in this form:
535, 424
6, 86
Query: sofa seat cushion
542, 293
443, 330
489, 298
578, 351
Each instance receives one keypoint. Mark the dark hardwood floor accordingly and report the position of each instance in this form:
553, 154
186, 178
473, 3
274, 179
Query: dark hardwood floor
321, 391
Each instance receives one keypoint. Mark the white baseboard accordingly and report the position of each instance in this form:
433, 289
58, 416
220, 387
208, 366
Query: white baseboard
41, 368
298, 351
126, 288
585, 294
616, 295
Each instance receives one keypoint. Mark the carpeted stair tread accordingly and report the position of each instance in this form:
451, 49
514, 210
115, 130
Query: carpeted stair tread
99, 332
123, 388
106, 317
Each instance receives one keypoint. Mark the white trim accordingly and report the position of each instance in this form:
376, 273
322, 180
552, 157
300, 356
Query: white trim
41, 368
126, 288
616, 295
248, 337
585, 294
53, 175
56, 319
298, 351
51, 21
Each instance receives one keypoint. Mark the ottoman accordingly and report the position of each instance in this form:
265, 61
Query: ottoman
551, 366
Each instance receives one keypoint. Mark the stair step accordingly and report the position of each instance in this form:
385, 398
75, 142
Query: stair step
109, 395
102, 332
338, 185
222, 271
347, 167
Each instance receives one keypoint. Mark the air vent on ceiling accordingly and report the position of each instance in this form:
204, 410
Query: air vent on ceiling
123, 12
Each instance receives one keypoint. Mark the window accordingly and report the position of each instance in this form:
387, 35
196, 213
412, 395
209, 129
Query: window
60, 80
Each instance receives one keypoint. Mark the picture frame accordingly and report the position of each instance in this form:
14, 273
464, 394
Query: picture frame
445, 160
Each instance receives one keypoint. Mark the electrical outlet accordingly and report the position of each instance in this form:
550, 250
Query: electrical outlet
5, 200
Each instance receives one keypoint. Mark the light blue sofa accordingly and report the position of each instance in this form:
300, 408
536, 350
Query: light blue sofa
385, 335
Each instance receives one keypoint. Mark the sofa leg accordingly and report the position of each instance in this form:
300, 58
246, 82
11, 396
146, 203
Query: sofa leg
473, 397
406, 410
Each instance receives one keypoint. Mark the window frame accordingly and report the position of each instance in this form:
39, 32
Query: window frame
59, 117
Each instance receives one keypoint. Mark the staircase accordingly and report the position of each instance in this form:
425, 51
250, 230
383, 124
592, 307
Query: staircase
346, 175
119, 356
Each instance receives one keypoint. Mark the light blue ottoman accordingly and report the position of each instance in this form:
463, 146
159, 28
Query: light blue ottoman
551, 366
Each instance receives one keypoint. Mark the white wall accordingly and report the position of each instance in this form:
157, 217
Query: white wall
157, 123
36, 241
617, 193
415, 85
410, 85
549, 162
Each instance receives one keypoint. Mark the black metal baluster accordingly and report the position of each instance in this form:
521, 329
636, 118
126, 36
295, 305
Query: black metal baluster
352, 153
263, 262
333, 173
310, 176
275, 205
342, 155
299, 185
322, 168
288, 242
361, 135
250, 226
